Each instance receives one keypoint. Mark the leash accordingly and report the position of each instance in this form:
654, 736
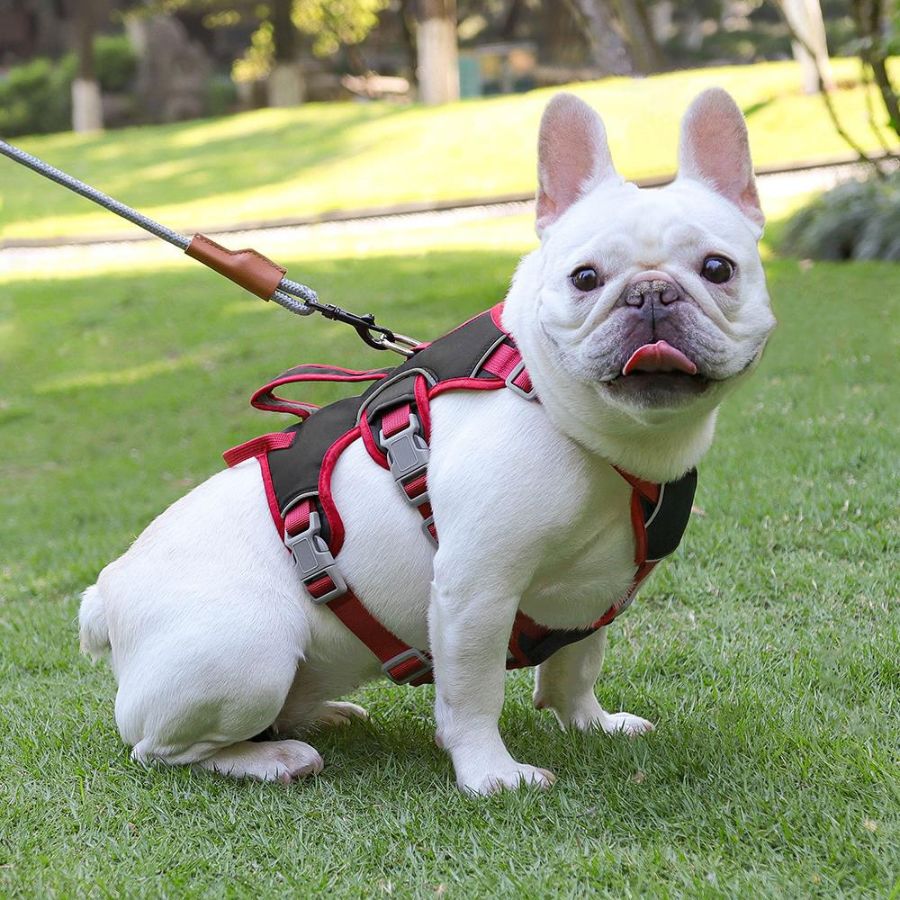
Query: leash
251, 270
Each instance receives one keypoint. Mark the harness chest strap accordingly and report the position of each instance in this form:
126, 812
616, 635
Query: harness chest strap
400, 662
393, 420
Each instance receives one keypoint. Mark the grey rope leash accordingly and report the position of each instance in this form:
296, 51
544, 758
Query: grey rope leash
249, 269
104, 200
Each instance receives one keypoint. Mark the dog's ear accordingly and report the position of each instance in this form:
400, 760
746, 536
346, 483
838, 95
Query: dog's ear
573, 156
715, 150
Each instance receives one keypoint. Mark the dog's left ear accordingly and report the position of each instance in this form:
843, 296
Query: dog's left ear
714, 149
573, 156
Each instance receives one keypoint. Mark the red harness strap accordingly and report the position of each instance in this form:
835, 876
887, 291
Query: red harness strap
400, 662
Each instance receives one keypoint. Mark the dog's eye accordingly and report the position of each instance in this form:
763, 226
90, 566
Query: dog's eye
717, 269
586, 279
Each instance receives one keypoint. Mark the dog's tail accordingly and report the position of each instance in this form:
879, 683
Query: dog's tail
92, 623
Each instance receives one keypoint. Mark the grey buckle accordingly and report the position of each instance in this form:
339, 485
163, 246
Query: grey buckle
314, 559
425, 665
407, 453
426, 523
511, 382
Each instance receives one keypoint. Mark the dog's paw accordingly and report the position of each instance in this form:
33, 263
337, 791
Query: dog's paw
339, 712
294, 761
626, 723
508, 777
282, 761
588, 715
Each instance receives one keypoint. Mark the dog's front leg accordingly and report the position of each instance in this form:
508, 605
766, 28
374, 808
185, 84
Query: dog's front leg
565, 685
470, 624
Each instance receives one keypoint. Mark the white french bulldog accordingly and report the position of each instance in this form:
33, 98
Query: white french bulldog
211, 635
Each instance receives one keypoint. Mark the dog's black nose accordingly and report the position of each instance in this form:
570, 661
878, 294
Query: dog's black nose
655, 287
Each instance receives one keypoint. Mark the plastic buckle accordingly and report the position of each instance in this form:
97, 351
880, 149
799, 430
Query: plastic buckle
427, 525
314, 559
425, 665
407, 455
518, 369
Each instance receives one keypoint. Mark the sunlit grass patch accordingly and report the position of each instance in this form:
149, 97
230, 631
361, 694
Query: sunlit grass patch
318, 157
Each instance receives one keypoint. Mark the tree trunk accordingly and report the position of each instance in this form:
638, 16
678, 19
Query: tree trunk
407, 27
284, 34
511, 20
811, 51
438, 66
822, 79
888, 94
608, 51
635, 21
87, 108
284, 86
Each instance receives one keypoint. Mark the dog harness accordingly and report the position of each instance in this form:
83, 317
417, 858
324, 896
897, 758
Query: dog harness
392, 419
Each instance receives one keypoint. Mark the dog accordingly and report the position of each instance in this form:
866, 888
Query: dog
210, 633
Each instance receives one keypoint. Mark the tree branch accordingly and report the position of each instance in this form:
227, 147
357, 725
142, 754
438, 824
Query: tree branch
871, 51
870, 110
826, 99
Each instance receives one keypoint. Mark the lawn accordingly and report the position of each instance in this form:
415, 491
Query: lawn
320, 157
766, 651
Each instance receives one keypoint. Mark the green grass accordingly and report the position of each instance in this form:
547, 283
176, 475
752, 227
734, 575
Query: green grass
283, 163
766, 651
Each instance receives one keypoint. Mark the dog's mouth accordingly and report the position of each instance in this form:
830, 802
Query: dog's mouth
659, 373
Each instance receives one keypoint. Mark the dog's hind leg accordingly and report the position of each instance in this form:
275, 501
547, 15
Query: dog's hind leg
186, 700
211, 729
565, 685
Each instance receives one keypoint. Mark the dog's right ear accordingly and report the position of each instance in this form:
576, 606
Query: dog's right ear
715, 151
573, 156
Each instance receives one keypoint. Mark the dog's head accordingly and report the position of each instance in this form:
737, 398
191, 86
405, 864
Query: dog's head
645, 304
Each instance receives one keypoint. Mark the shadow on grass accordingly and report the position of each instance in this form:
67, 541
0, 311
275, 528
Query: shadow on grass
255, 153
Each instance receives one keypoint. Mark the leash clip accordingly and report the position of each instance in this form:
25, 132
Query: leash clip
370, 332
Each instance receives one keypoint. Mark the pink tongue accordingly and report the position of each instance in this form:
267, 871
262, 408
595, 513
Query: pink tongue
658, 357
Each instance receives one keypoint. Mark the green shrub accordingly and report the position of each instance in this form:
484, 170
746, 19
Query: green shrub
36, 98
221, 96
855, 220
115, 62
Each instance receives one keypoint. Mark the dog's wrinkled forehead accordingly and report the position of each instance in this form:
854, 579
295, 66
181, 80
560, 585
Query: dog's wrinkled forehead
626, 225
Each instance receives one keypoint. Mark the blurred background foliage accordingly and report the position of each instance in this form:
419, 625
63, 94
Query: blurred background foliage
220, 55
89, 64
859, 219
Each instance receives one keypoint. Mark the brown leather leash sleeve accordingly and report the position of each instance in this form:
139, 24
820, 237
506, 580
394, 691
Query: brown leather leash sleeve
248, 268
